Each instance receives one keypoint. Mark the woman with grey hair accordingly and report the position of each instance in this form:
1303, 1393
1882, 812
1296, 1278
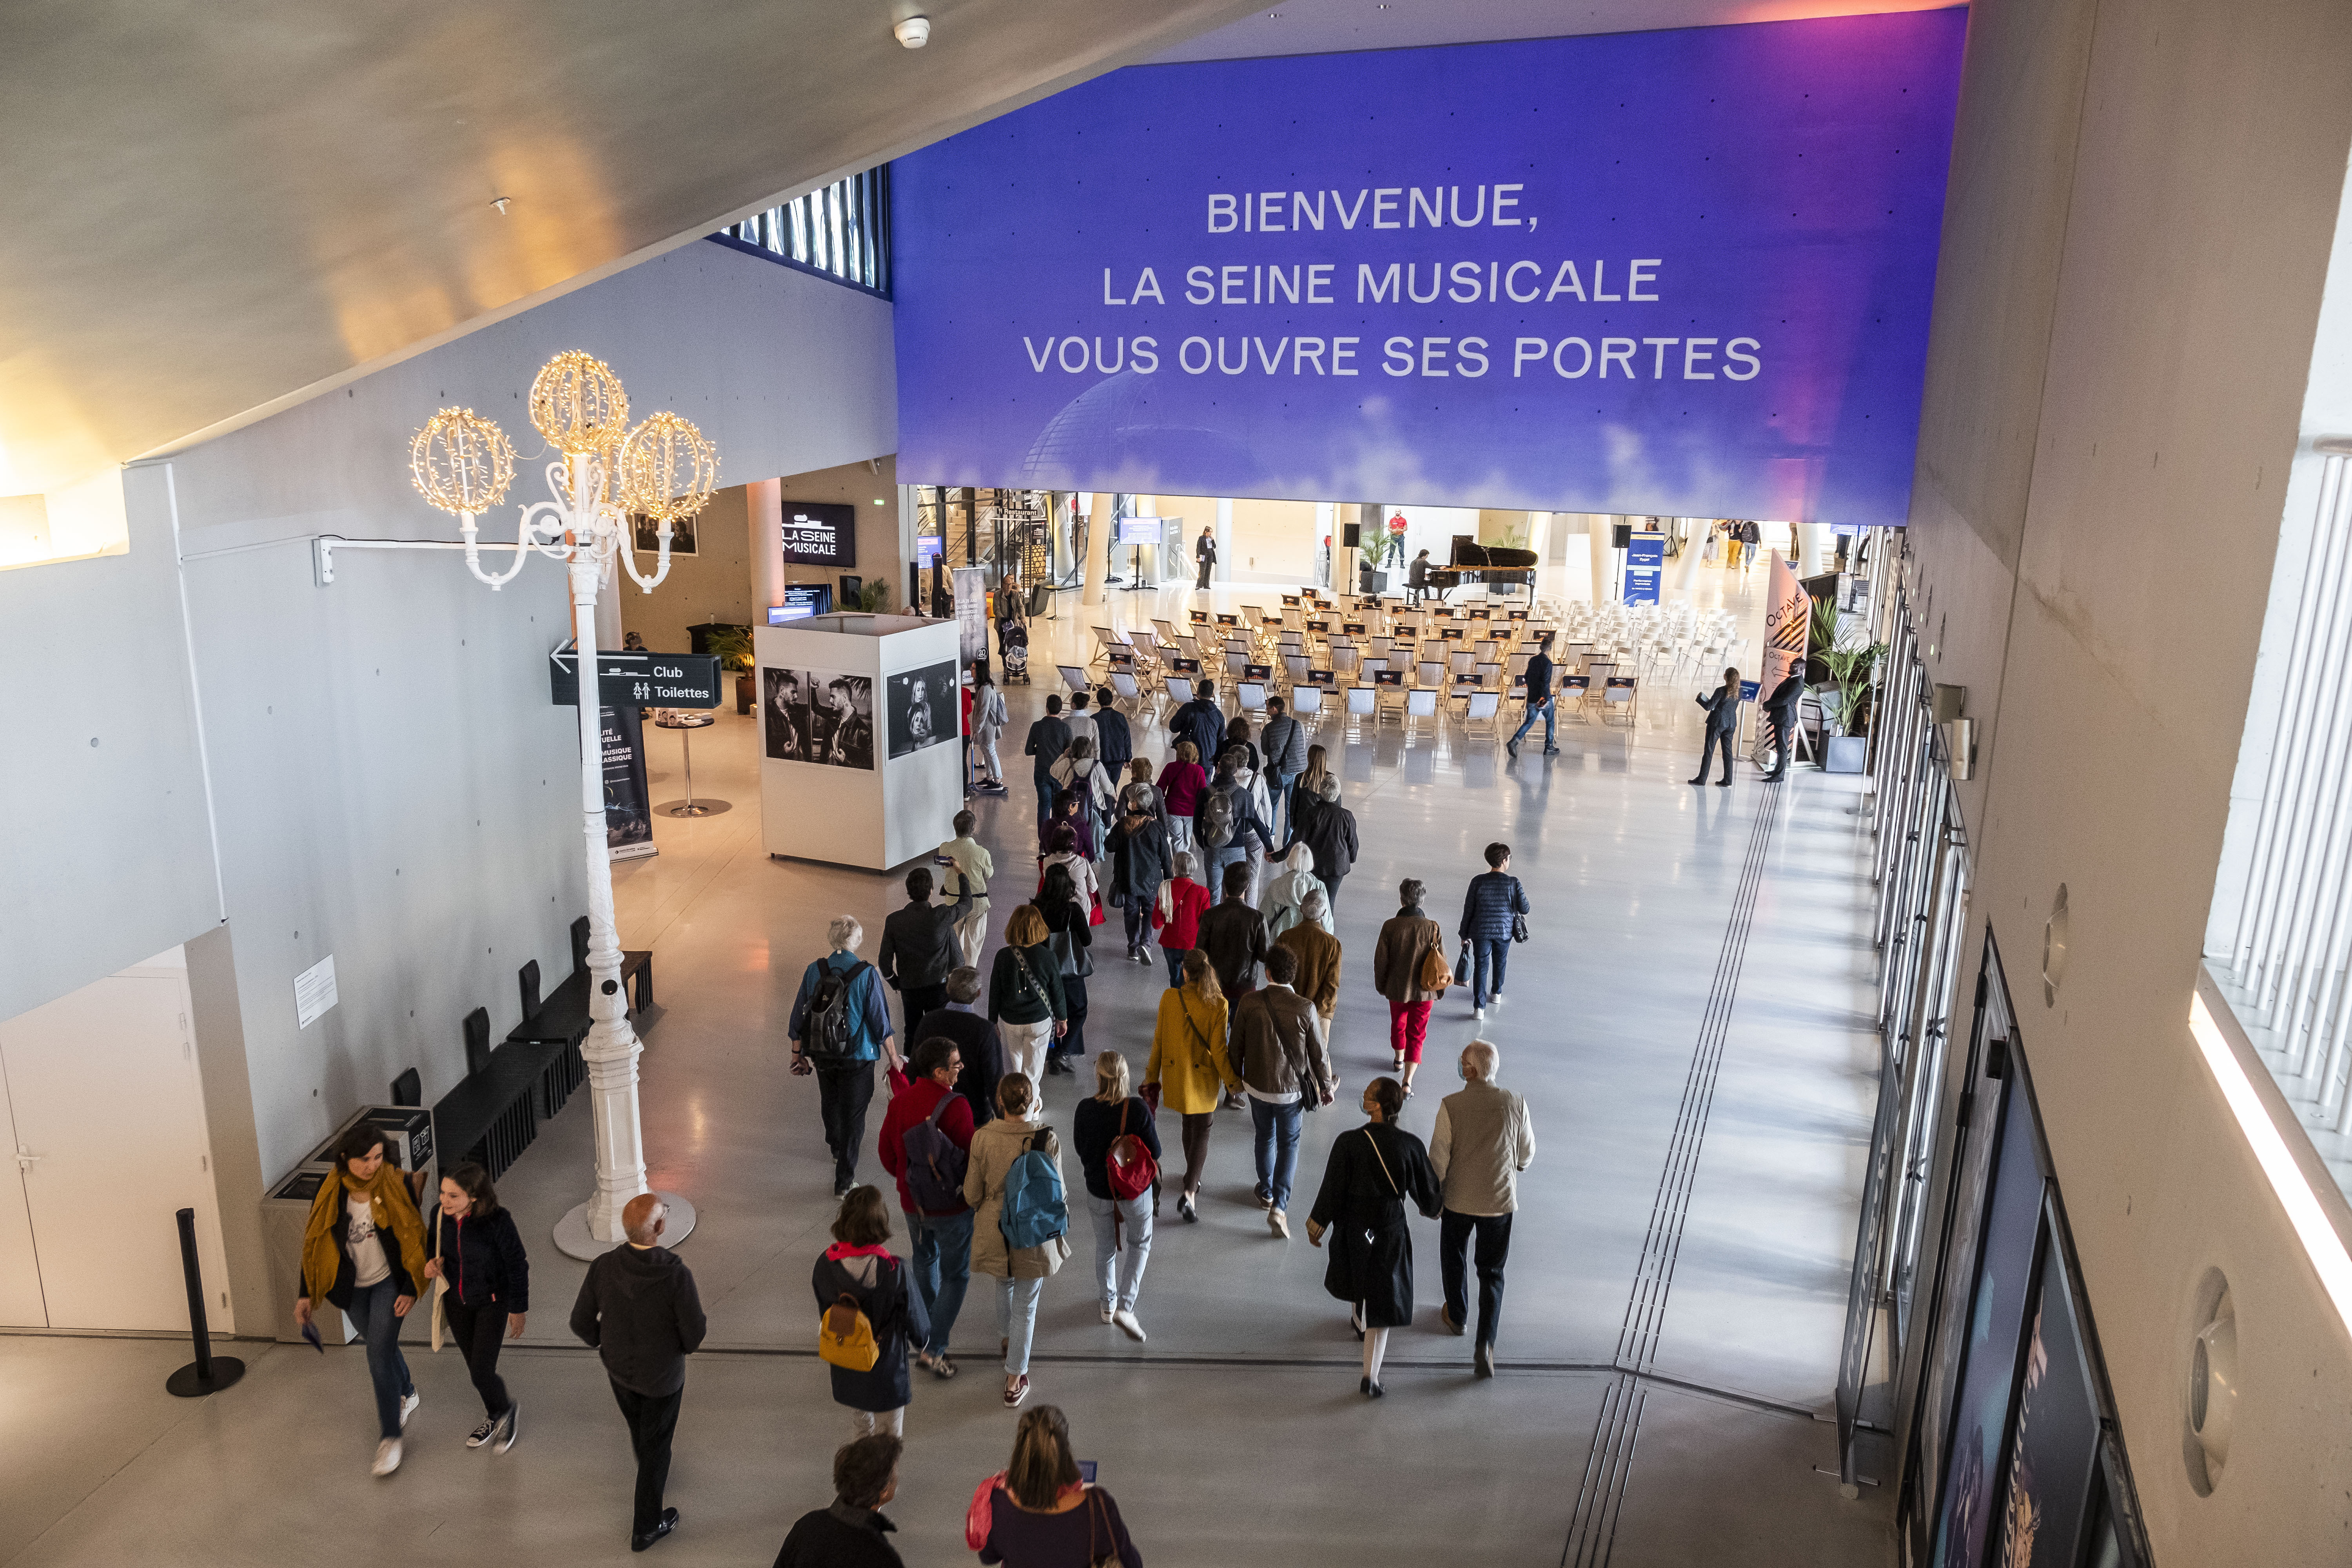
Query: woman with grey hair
840, 1026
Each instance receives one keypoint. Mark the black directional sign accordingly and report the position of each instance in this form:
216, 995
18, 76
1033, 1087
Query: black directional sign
639, 679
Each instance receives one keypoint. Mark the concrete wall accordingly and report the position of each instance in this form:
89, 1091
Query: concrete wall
859, 484
713, 584
109, 855
391, 782
2144, 194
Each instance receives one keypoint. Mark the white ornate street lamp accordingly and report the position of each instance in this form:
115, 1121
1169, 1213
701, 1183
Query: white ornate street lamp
665, 470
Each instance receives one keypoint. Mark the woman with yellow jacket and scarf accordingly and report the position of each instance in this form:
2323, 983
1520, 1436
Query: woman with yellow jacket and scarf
363, 1251
1188, 1065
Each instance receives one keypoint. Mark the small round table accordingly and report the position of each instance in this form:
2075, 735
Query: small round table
686, 721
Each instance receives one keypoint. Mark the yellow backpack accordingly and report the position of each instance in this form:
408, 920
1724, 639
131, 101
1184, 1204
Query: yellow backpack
844, 1336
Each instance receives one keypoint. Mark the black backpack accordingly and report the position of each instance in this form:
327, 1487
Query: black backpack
833, 1013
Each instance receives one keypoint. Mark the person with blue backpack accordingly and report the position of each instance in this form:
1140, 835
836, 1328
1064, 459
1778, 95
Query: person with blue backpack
927, 1144
1020, 1234
839, 1027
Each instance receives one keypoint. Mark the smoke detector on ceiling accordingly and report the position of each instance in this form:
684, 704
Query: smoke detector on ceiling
914, 32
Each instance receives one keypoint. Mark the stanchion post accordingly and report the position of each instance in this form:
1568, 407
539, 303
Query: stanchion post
207, 1373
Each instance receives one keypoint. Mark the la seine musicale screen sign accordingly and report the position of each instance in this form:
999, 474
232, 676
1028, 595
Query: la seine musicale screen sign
1685, 273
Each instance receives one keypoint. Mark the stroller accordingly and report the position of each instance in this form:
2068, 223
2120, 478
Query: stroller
1013, 640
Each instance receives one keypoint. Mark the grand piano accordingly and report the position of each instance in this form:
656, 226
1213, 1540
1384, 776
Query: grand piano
1497, 566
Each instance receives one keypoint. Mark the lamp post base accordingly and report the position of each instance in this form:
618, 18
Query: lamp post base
571, 1237
694, 808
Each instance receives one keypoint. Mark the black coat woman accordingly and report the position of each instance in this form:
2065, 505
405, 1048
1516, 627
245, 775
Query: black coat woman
1373, 1173
479, 1253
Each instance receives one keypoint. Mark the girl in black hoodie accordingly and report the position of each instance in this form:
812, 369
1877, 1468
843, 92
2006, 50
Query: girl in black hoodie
479, 1251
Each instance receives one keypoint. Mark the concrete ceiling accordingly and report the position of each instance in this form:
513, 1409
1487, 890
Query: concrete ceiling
213, 210
1331, 27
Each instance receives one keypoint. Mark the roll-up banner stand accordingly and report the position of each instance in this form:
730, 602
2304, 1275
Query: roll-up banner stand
628, 822
1645, 566
1788, 620
971, 614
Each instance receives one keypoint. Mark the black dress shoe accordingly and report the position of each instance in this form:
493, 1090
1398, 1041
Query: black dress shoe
1774, 778
1723, 783
668, 1522
1694, 781
1373, 1390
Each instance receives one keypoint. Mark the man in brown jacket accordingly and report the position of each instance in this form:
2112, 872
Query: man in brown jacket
1405, 941
1279, 1039
1317, 951
1482, 1141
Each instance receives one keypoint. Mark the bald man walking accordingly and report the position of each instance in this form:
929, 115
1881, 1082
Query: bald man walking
1482, 1141
638, 1306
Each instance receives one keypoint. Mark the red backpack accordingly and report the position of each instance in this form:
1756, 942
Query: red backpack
1129, 1166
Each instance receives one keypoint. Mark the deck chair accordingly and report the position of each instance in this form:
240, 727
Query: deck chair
1252, 696
1127, 690
1306, 701
1484, 713
1619, 691
1421, 703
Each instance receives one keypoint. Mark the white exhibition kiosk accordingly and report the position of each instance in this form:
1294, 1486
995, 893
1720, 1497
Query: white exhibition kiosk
861, 758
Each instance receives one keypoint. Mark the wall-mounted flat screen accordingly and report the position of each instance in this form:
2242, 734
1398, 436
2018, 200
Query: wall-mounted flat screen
820, 533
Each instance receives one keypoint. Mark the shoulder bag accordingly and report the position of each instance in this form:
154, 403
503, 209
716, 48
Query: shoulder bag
1518, 921
1098, 1514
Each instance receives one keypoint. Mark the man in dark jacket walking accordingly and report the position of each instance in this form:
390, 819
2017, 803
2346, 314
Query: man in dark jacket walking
919, 946
1495, 897
1780, 708
1328, 831
1200, 721
1114, 742
638, 1306
853, 1533
1048, 738
1283, 741
1540, 701
1234, 937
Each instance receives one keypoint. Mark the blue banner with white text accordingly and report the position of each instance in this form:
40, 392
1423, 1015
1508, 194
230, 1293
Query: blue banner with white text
1683, 273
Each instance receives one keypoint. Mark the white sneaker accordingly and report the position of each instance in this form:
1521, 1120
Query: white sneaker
387, 1458
1496, 1000
1124, 1319
408, 1408
1107, 1314
1477, 1012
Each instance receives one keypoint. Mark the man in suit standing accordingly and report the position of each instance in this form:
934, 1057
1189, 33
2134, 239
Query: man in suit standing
1780, 707
639, 1308
1204, 551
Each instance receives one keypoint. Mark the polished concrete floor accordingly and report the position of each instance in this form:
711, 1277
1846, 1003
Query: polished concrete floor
1686, 942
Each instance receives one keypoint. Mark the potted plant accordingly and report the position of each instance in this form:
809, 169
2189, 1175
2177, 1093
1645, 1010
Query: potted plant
733, 647
1383, 547
1846, 661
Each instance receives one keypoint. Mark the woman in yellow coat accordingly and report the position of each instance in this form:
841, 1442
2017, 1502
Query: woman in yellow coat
1189, 1065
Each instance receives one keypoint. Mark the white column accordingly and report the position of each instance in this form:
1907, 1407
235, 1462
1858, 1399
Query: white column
763, 501
1098, 530
1694, 546
1816, 548
1224, 567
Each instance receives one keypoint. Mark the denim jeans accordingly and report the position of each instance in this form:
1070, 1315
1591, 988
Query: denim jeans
1550, 710
1487, 954
1047, 790
941, 1244
1277, 787
1234, 854
1119, 1260
371, 1313
1277, 1147
1175, 957
1016, 1320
